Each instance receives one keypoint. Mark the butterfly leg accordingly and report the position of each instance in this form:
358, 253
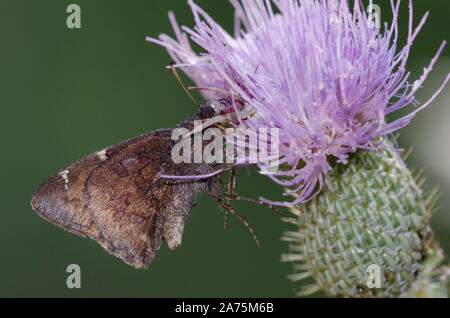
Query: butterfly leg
231, 190
231, 195
265, 204
229, 209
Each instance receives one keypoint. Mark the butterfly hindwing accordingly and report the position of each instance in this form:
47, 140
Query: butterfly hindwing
115, 197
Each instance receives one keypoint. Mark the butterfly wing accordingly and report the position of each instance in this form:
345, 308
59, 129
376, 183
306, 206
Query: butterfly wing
115, 197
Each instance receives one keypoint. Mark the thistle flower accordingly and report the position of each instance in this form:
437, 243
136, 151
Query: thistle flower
320, 71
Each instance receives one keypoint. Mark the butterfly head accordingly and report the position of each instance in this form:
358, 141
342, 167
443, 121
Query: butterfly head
214, 107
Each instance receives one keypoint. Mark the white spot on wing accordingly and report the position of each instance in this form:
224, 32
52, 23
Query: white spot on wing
64, 174
102, 155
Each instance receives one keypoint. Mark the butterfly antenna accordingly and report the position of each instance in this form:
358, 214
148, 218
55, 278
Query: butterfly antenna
177, 76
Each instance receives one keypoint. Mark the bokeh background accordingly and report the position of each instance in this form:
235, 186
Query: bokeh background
66, 93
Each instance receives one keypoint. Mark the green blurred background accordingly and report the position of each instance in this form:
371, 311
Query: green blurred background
66, 93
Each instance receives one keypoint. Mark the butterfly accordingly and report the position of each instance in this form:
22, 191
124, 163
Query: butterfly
117, 197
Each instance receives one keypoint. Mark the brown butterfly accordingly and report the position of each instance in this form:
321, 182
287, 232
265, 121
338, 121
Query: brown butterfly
116, 197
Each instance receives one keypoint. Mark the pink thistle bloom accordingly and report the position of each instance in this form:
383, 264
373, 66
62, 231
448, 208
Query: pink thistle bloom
320, 71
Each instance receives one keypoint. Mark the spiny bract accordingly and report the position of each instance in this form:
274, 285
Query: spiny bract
374, 213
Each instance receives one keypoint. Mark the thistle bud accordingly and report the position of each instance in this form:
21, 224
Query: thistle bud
368, 233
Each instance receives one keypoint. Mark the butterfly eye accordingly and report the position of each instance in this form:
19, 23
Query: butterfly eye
207, 112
